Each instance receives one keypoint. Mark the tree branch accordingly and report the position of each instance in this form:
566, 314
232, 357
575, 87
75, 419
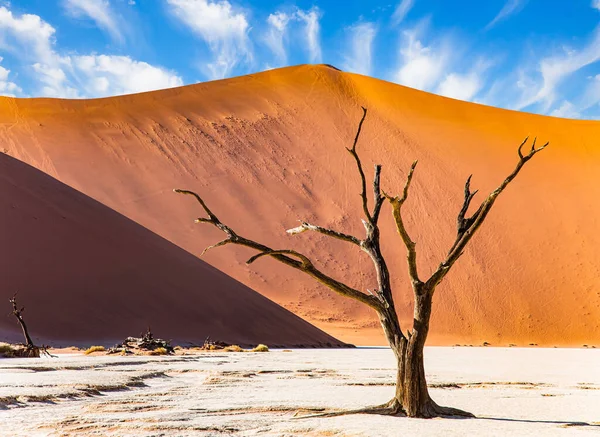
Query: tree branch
303, 264
330, 233
466, 227
397, 203
306, 263
378, 199
363, 193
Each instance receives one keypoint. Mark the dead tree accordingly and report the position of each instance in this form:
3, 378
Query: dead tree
411, 396
18, 313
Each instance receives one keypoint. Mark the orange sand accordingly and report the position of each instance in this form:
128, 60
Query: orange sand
268, 149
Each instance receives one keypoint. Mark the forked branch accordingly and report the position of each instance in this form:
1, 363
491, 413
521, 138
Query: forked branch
467, 226
363, 181
378, 198
397, 203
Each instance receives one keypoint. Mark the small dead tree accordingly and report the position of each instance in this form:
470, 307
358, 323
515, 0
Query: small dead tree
30, 350
412, 396
18, 313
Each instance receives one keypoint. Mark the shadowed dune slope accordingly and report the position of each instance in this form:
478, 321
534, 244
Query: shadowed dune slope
88, 274
268, 149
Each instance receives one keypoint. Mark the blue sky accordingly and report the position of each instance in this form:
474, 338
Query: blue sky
539, 56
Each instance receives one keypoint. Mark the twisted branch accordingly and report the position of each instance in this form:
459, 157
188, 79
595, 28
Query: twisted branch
302, 263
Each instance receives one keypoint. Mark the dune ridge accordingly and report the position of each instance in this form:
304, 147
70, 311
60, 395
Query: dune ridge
267, 149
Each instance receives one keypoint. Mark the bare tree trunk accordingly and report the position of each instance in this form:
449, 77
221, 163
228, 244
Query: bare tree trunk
412, 395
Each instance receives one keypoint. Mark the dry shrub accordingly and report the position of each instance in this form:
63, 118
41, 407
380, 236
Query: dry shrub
18, 351
159, 351
233, 348
93, 349
6, 350
261, 348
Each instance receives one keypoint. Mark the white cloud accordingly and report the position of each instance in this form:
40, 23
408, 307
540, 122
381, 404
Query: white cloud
27, 30
79, 76
312, 30
100, 12
7, 88
596, 4
223, 29
359, 60
460, 86
591, 94
566, 110
422, 67
74, 76
54, 81
554, 70
401, 11
511, 7
275, 36
103, 75
464, 86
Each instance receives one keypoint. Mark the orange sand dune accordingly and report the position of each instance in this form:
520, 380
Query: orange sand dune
268, 149
87, 274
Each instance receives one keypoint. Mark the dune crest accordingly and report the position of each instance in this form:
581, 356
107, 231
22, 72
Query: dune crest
267, 149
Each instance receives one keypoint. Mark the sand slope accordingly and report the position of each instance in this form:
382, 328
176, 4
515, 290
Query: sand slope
88, 274
268, 149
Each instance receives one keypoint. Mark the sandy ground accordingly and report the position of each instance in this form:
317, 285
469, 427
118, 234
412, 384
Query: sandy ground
513, 391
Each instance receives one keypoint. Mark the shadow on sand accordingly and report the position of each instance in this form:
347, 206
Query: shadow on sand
550, 422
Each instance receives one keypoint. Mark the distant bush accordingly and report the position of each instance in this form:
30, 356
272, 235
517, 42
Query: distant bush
93, 349
159, 351
6, 350
233, 348
261, 348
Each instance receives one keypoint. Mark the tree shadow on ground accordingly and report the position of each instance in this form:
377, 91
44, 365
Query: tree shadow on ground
550, 422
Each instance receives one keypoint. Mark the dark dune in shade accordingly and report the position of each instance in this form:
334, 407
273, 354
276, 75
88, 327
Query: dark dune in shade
87, 274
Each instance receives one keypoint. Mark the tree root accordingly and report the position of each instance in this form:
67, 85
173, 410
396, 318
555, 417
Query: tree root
394, 408
391, 408
431, 410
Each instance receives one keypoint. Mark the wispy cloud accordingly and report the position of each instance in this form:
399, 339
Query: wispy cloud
511, 7
596, 4
312, 30
359, 58
401, 11
554, 70
98, 11
224, 29
422, 66
566, 110
277, 25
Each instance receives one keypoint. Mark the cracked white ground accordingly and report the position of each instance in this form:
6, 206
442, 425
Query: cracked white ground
514, 391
